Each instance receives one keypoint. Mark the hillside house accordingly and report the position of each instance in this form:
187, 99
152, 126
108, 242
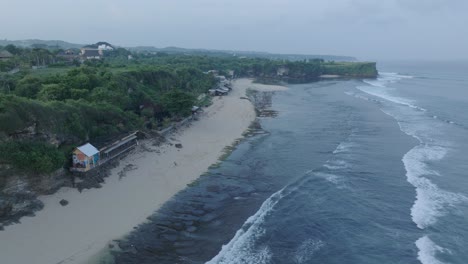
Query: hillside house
5, 55
85, 158
95, 51
68, 55
90, 53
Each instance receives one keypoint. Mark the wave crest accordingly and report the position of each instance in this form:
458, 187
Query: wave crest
428, 251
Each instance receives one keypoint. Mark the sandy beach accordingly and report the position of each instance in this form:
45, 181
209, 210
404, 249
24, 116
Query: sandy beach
92, 219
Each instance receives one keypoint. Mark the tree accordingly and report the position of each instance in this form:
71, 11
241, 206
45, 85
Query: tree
54, 92
29, 86
178, 103
13, 49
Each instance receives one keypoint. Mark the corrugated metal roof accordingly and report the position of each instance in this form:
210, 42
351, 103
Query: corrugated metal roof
88, 149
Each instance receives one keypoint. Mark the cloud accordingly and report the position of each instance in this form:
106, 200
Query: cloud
363, 28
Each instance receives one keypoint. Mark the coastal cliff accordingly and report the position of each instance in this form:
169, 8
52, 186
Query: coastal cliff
43, 116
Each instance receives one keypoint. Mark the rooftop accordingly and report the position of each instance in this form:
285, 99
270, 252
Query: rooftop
91, 53
88, 149
5, 54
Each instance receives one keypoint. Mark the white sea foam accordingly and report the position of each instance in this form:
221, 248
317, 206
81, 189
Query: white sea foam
306, 250
431, 201
376, 83
379, 88
344, 147
428, 251
329, 177
385, 78
384, 93
393, 76
336, 164
241, 248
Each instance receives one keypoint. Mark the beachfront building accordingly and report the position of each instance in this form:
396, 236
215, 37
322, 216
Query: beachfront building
85, 158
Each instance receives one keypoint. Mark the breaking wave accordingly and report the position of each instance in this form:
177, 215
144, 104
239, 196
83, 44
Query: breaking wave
241, 248
428, 250
431, 202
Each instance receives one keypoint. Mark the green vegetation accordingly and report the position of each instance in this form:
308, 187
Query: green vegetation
37, 157
69, 103
352, 69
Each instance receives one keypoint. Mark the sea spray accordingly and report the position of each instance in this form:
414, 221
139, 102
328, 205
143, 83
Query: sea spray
241, 248
428, 251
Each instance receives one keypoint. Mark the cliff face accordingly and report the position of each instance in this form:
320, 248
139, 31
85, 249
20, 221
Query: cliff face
295, 73
353, 69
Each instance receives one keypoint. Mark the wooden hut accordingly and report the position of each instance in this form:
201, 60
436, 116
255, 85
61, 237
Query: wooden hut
85, 158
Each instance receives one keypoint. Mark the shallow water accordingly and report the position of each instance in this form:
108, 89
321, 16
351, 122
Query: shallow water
350, 171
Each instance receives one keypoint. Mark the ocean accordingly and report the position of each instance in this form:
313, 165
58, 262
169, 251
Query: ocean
347, 171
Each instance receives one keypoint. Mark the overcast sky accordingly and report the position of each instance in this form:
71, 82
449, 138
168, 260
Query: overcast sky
367, 29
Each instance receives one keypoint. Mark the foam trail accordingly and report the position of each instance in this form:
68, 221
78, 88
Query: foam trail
306, 250
428, 250
384, 94
329, 177
431, 202
344, 147
241, 248
378, 87
336, 165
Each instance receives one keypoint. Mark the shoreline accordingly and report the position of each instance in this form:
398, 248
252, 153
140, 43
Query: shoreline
92, 219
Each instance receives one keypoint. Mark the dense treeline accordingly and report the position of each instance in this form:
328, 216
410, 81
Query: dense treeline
92, 102
110, 97
27, 57
95, 94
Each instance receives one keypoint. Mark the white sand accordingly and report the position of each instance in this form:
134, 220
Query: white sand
93, 218
329, 76
259, 87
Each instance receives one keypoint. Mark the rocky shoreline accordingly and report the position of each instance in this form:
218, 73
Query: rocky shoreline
171, 232
19, 194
